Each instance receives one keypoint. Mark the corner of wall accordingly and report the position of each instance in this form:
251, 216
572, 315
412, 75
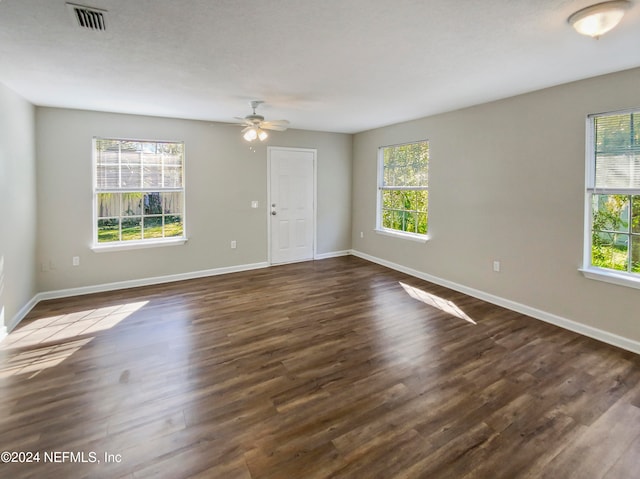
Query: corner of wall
17, 208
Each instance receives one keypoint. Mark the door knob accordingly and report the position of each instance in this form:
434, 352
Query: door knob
273, 213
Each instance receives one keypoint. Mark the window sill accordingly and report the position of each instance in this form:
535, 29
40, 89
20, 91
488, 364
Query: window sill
129, 245
398, 234
613, 277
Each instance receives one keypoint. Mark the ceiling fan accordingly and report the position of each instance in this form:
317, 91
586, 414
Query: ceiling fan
255, 125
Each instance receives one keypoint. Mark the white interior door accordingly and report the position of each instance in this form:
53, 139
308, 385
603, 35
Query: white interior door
291, 204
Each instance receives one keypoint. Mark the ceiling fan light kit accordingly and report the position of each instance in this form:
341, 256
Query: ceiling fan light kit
253, 133
598, 19
255, 125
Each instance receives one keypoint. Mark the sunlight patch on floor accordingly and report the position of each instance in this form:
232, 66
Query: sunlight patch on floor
442, 304
52, 339
37, 360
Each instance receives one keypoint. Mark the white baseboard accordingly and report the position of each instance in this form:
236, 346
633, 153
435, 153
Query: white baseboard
19, 316
585, 330
134, 283
332, 254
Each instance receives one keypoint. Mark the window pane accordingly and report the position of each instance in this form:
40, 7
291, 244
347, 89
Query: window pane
391, 199
172, 177
389, 219
610, 250
152, 227
148, 147
131, 204
152, 203
405, 210
611, 213
106, 145
410, 222
618, 171
635, 254
108, 204
617, 132
152, 171
400, 220
386, 219
108, 230
406, 165
422, 223
130, 147
635, 213
172, 202
173, 226
408, 199
131, 170
172, 161
131, 228
107, 176
422, 200
172, 153
617, 150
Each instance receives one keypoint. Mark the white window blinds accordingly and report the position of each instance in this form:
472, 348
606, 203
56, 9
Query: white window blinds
123, 165
617, 151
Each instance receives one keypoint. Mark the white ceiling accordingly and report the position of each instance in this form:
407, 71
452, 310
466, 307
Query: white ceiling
329, 65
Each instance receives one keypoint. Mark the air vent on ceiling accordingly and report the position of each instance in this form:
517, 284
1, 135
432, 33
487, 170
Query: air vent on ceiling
88, 17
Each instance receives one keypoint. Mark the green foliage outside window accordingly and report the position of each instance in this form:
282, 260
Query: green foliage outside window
615, 199
615, 235
137, 216
404, 189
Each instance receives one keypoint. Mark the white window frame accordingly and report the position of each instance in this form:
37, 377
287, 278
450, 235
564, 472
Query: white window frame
621, 278
380, 229
121, 245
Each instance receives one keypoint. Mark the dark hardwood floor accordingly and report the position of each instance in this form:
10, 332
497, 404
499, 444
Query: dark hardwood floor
334, 368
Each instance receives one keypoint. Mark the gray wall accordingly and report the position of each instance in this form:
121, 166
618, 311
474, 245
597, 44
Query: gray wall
223, 176
507, 183
17, 205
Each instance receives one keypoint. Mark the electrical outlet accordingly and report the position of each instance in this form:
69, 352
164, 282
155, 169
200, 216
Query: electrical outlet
496, 266
76, 261
361, 234
254, 204
234, 245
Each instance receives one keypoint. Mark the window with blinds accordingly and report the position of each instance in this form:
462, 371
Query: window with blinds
617, 151
138, 191
403, 188
613, 192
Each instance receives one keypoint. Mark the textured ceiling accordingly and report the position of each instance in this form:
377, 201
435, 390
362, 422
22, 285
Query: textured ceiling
330, 65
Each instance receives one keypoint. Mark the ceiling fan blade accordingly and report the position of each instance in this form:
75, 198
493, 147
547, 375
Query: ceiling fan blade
276, 125
246, 128
243, 120
278, 122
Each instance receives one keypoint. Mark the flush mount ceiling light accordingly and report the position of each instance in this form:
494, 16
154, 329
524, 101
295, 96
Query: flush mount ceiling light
598, 19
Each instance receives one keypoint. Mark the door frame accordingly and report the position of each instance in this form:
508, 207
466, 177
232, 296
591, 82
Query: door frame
314, 152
